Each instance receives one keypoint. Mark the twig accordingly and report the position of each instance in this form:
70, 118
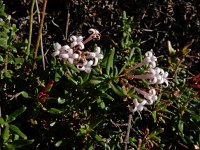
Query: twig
67, 22
30, 30
41, 41
126, 141
39, 33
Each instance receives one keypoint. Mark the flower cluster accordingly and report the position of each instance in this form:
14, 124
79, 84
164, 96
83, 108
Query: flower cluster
154, 75
74, 54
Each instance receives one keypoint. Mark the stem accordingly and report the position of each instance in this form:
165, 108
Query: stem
128, 131
6, 61
39, 34
67, 22
41, 43
30, 30
144, 62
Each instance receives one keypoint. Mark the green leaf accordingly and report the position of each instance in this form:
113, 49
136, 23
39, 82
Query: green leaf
21, 143
18, 131
194, 116
8, 74
57, 77
1, 121
170, 49
6, 133
54, 111
61, 101
58, 143
25, 94
15, 114
154, 114
3, 42
118, 90
110, 60
180, 126
19, 61
1, 58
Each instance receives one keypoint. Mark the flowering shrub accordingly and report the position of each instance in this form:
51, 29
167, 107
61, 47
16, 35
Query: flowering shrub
83, 99
73, 54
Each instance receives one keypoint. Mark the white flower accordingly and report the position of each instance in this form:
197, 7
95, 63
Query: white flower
150, 96
149, 60
57, 48
138, 106
67, 54
94, 35
95, 55
154, 75
77, 41
85, 66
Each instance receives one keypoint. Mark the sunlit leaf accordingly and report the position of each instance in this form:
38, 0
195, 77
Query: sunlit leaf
18, 131
110, 60
15, 114
6, 133
54, 111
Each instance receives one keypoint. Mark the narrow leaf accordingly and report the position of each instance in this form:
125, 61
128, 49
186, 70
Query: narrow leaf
18, 131
15, 114
54, 111
118, 90
110, 60
6, 133
21, 143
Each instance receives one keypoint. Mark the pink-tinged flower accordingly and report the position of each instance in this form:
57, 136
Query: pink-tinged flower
153, 75
150, 96
94, 35
77, 41
85, 66
67, 54
138, 106
57, 48
149, 60
95, 55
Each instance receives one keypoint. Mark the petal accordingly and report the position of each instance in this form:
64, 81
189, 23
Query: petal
73, 44
152, 91
65, 47
98, 50
70, 60
81, 46
89, 64
95, 61
166, 82
70, 51
80, 39
91, 31
165, 75
135, 102
154, 81
143, 102
100, 56
140, 108
75, 56
64, 56
57, 46
152, 64
92, 54
55, 53
149, 54
88, 69
73, 38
